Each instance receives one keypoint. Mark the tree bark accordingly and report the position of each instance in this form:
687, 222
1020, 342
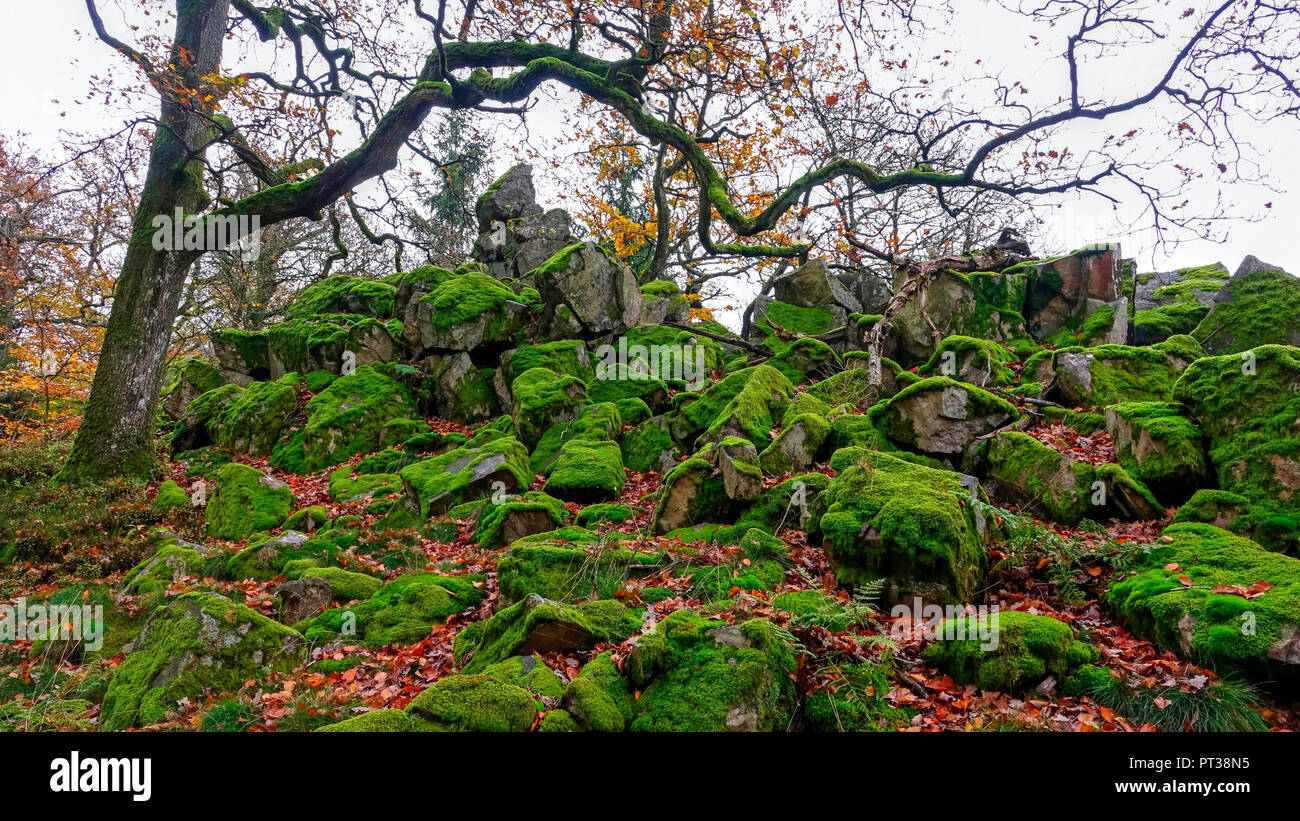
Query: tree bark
116, 434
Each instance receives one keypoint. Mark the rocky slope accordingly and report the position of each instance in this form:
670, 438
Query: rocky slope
530, 494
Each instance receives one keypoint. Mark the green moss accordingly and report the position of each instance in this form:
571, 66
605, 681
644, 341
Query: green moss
884, 517
345, 419
401, 612
200, 640
570, 564
511, 631
807, 321
474, 704
170, 497
714, 582
1096, 326
346, 586
1262, 308
648, 445
1217, 629
752, 413
597, 423
490, 534
155, 574
599, 699
1156, 443
529, 672
855, 704
307, 519
1249, 407
613, 514
1117, 373
587, 471
976, 361
700, 675
246, 501
1029, 648
465, 474
469, 297
374, 721
344, 294
544, 398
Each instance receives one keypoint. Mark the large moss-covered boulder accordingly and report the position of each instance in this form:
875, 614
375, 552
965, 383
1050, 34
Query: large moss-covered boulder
1066, 489
538, 625
570, 564
1248, 404
245, 501
473, 703
1158, 445
587, 293
587, 470
331, 343
401, 612
1008, 650
884, 517
694, 493
1110, 374
1217, 599
650, 446
1172, 303
252, 420
1255, 308
345, 419
374, 721
597, 423
942, 416
467, 312
976, 361
544, 399
186, 379
702, 675
457, 389
439, 483
502, 523
345, 585
343, 294
199, 640
982, 306
1064, 291
265, 556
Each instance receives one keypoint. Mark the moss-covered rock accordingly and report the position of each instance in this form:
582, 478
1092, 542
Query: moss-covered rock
698, 674
587, 470
599, 699
569, 565
246, 501
941, 416
198, 640
884, 517
1008, 650
694, 493
1248, 404
1259, 308
649, 446
345, 419
402, 611
529, 672
1068, 490
185, 380
469, 703
172, 562
538, 625
439, 483
374, 721
602, 513
1158, 445
543, 399
1211, 620
342, 294
976, 361
345, 586
1110, 374
307, 519
466, 312
513, 518
169, 498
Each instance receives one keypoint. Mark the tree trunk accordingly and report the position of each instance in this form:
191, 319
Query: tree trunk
117, 432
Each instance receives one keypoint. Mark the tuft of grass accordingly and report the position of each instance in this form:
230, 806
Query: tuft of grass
1223, 706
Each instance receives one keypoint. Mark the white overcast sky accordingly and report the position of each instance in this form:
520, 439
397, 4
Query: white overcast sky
42, 59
